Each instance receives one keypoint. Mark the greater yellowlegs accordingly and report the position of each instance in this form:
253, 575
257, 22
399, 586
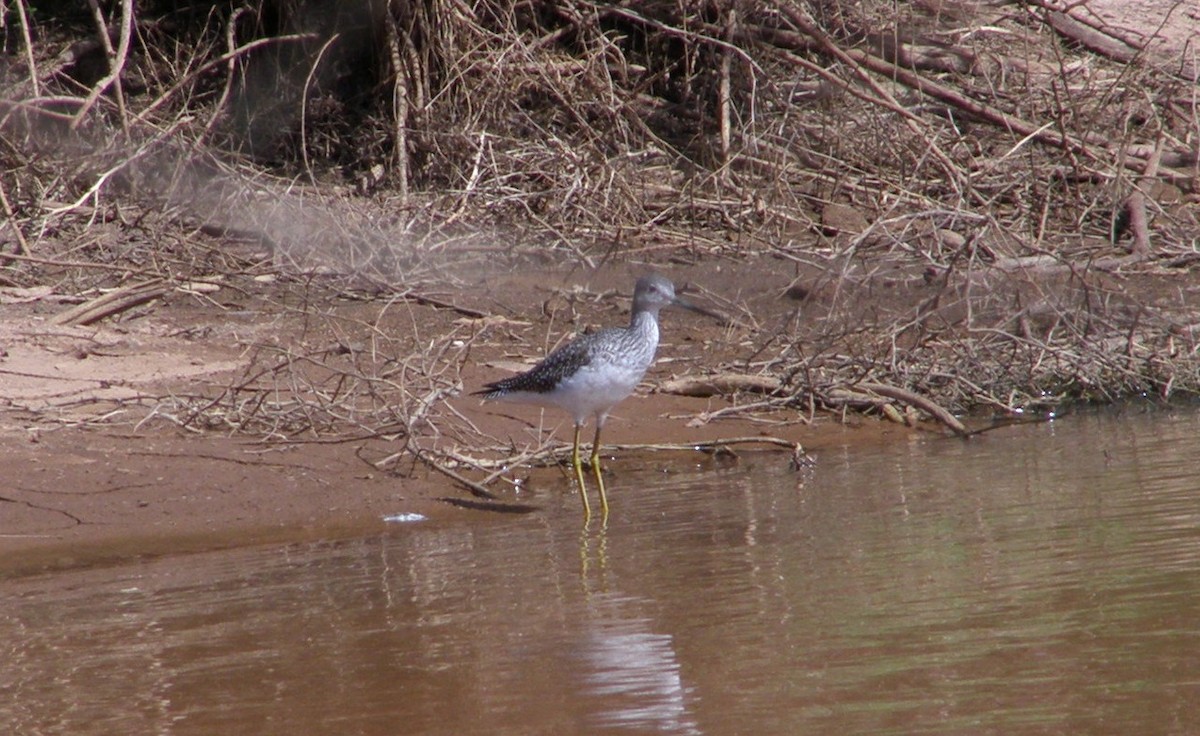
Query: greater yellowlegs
593, 373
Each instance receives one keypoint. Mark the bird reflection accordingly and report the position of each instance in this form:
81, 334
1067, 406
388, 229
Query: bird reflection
632, 673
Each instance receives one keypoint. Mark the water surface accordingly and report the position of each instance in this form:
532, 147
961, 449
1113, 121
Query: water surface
1038, 579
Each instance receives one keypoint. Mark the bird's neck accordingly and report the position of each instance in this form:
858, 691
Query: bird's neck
645, 322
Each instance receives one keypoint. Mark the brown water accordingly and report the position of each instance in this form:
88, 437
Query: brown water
1041, 579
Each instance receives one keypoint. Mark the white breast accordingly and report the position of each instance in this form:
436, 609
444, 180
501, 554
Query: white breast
593, 389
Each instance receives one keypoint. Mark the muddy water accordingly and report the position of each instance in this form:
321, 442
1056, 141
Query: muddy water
1040, 579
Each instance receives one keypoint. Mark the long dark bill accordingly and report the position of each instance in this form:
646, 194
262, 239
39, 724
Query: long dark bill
685, 304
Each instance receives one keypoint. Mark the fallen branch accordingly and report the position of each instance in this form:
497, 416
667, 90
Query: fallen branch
1090, 38
431, 301
1134, 208
720, 384
707, 445
768, 404
799, 458
114, 302
476, 489
921, 402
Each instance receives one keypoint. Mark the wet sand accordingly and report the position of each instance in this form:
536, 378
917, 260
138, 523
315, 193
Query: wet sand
76, 497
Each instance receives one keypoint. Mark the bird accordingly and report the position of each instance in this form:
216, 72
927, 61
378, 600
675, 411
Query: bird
591, 374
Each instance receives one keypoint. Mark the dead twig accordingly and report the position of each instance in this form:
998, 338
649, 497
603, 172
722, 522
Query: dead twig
707, 445
312, 70
10, 218
27, 42
189, 78
476, 489
116, 62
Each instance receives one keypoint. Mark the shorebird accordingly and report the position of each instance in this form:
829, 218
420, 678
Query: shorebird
590, 375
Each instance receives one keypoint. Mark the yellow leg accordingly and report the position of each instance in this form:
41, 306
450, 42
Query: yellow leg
575, 462
595, 461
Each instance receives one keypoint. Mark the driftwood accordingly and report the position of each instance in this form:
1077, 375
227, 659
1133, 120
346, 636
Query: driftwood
719, 385
1103, 40
114, 302
923, 403
1091, 38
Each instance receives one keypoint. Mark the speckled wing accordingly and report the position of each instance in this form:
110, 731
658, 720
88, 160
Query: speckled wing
546, 375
